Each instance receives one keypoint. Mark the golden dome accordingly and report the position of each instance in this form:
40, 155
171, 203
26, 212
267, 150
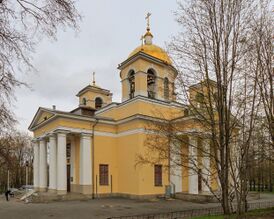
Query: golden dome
154, 51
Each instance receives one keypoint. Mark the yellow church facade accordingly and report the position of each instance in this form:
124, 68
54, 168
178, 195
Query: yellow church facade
93, 148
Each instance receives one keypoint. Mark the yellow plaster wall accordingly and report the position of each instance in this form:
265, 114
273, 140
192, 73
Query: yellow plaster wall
185, 168
46, 128
125, 89
146, 173
105, 150
128, 175
140, 83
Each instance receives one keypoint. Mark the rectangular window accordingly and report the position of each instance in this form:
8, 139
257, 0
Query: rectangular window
103, 174
158, 175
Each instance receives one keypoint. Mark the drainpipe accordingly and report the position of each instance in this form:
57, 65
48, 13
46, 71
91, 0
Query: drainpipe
92, 152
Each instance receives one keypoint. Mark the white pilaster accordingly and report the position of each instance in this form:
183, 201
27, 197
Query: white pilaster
42, 165
85, 163
193, 175
206, 166
72, 160
61, 163
36, 165
176, 167
52, 162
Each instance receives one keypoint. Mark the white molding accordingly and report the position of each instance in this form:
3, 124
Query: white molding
99, 133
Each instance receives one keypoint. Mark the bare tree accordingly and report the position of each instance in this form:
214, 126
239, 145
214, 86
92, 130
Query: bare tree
262, 55
15, 153
22, 24
215, 46
217, 82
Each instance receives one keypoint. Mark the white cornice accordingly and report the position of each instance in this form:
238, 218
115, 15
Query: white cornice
96, 133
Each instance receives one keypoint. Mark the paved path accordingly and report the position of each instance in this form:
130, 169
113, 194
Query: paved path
98, 209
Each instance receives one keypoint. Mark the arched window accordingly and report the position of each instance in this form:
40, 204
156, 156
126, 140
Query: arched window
151, 81
98, 103
84, 101
131, 79
166, 88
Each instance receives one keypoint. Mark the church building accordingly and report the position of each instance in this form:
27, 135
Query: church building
92, 149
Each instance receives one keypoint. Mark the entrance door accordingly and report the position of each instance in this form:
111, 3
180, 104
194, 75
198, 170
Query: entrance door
68, 177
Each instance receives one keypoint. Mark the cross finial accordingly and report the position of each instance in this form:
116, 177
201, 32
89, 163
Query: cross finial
148, 21
93, 82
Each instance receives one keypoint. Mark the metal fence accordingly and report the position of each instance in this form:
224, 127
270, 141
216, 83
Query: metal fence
194, 212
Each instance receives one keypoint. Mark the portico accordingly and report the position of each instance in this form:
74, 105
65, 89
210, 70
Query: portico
197, 176
55, 165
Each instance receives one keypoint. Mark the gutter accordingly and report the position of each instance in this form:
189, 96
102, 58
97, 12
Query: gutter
92, 152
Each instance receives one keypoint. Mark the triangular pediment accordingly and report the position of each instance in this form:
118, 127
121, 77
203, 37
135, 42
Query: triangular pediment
42, 115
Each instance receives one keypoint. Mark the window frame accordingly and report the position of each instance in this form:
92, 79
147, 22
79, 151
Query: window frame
103, 174
158, 175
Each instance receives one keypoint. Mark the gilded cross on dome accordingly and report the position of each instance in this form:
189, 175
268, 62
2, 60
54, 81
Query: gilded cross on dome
148, 21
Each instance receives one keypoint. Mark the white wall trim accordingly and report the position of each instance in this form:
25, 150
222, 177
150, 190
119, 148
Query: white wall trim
98, 133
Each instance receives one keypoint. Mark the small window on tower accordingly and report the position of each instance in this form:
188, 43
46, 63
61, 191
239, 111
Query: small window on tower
84, 101
98, 103
166, 88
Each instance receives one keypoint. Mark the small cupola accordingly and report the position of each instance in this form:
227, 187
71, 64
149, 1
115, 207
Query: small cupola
93, 96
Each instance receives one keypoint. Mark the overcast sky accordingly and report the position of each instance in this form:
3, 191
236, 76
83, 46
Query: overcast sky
109, 31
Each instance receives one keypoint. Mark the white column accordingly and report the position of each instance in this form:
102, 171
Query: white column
52, 163
206, 166
85, 164
176, 167
36, 165
42, 165
193, 175
61, 163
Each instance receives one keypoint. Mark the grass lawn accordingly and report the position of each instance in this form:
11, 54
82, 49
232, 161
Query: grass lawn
256, 214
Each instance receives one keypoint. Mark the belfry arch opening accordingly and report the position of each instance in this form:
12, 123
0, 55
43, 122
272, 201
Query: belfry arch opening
151, 83
131, 80
166, 88
84, 101
98, 103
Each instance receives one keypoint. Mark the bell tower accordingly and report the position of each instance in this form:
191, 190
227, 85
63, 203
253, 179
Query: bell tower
93, 96
148, 71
